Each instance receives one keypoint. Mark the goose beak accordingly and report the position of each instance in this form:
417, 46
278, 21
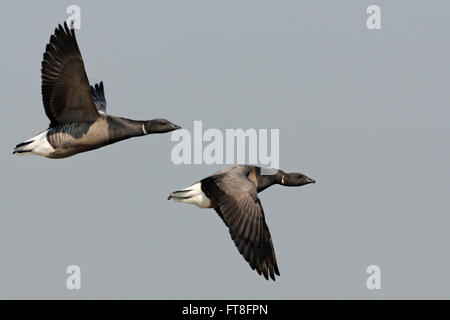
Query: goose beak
311, 180
176, 127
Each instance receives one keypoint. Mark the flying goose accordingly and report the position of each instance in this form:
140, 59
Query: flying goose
233, 193
77, 111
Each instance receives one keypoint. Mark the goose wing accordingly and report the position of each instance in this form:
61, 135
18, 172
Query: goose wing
98, 95
242, 212
65, 86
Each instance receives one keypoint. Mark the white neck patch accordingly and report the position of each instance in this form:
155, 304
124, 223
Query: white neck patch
282, 179
143, 129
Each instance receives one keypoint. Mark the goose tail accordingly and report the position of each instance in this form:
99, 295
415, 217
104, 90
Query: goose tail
23, 148
193, 195
180, 195
38, 145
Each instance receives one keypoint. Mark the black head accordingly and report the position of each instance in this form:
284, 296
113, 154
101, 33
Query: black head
160, 126
295, 179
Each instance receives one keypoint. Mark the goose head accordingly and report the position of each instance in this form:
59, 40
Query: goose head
295, 179
160, 126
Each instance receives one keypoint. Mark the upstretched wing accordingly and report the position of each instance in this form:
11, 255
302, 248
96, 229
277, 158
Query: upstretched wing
242, 212
98, 95
65, 86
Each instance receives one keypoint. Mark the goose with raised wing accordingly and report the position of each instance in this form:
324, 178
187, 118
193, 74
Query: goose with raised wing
233, 194
76, 110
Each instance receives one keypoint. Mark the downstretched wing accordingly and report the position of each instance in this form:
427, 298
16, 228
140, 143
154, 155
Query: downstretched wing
65, 86
98, 95
242, 212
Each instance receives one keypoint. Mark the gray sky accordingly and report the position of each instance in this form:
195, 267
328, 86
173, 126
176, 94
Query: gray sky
365, 113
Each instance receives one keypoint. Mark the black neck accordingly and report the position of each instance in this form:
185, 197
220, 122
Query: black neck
122, 128
265, 181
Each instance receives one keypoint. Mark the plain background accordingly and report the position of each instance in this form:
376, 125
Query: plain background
363, 112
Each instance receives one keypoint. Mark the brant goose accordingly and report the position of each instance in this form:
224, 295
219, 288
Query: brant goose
77, 111
233, 193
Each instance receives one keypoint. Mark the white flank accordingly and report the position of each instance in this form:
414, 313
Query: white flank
39, 146
192, 195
